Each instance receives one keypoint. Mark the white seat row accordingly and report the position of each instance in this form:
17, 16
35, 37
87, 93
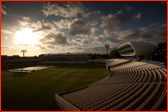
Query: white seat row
131, 86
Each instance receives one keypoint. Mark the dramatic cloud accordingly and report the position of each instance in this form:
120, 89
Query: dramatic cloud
122, 36
145, 33
6, 31
95, 49
146, 36
112, 23
3, 10
152, 24
94, 29
71, 9
54, 39
78, 27
102, 39
161, 31
94, 16
23, 22
138, 16
5, 47
40, 46
77, 40
24, 45
43, 25
99, 40
81, 29
100, 50
6, 38
85, 42
26, 18
129, 8
120, 11
112, 40
62, 24
82, 42
126, 6
127, 34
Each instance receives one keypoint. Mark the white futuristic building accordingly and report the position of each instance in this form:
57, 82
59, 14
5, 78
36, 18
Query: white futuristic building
137, 49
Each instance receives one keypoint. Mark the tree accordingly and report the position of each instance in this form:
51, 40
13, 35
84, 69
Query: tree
114, 54
161, 54
15, 57
162, 51
35, 56
162, 47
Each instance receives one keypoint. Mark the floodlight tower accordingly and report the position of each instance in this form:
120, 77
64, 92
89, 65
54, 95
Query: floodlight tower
63, 48
23, 51
107, 46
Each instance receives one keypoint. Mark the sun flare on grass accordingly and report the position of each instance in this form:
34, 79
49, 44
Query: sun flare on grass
26, 36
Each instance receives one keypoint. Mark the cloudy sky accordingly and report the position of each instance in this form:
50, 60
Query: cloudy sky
79, 27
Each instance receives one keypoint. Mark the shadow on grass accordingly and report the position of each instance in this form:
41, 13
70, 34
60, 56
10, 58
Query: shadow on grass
15, 75
52, 107
78, 66
95, 66
81, 66
16, 66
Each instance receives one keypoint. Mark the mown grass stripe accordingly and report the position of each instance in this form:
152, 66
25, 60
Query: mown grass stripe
37, 90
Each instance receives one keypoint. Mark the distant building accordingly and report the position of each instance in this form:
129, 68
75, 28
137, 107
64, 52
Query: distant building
17, 60
45, 58
25, 60
66, 57
4, 60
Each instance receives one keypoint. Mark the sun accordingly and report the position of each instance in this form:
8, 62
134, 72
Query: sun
26, 36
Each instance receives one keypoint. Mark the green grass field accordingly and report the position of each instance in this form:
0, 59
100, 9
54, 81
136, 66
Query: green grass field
36, 91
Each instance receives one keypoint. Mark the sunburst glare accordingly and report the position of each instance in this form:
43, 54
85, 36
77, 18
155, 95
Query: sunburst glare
26, 36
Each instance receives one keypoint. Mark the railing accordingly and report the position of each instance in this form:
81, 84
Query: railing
156, 62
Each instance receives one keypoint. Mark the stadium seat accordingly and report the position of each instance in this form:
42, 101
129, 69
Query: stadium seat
130, 86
